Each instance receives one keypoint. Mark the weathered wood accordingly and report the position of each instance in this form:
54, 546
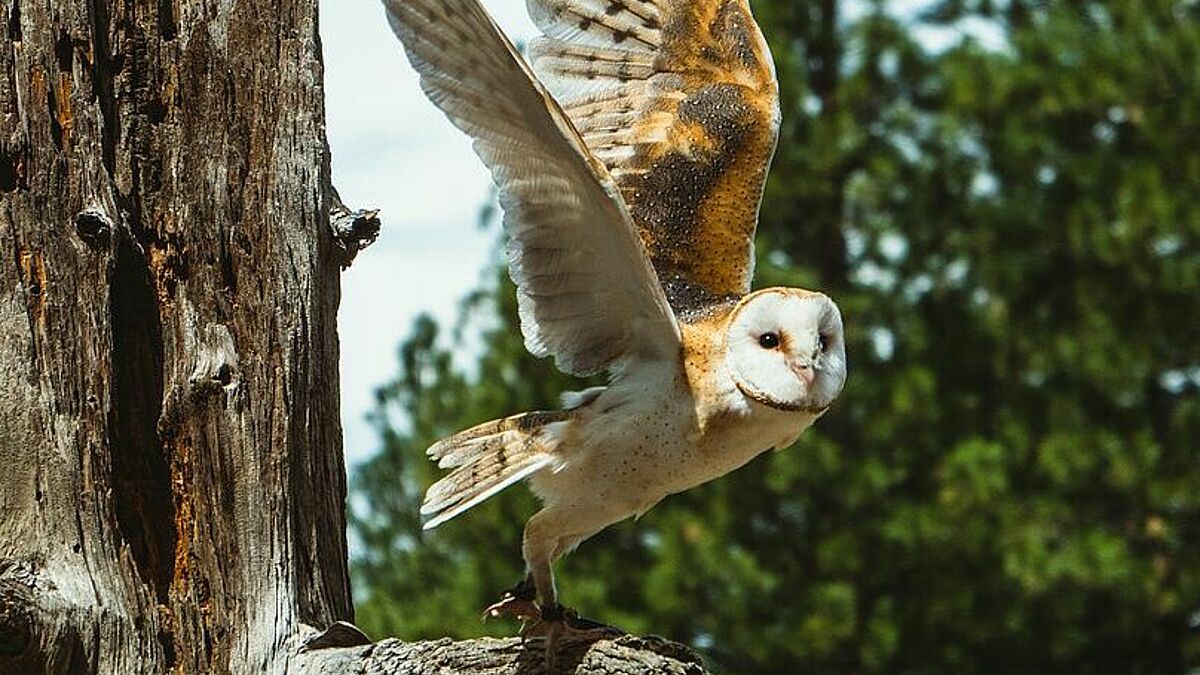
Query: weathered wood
625, 655
173, 491
352, 230
172, 485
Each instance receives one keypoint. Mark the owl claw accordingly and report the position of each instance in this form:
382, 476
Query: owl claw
558, 625
510, 605
518, 603
563, 624
553, 623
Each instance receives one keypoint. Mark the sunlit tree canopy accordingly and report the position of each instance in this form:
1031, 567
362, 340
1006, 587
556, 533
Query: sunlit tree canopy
1004, 198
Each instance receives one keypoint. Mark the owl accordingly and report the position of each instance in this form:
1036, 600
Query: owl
629, 153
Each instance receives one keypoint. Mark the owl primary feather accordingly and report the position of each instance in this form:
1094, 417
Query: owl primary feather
630, 155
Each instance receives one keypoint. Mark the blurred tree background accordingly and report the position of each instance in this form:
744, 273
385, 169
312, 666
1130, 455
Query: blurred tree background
1010, 221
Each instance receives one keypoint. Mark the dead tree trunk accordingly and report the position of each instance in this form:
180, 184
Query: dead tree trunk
171, 477
168, 367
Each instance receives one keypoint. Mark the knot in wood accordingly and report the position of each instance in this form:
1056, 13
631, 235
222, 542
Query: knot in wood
352, 230
216, 361
94, 227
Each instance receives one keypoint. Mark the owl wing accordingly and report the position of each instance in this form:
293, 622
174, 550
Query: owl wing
679, 99
585, 287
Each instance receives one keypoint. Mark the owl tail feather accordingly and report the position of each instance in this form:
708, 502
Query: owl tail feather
488, 458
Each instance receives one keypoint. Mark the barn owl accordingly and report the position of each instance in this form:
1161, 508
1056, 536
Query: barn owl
630, 153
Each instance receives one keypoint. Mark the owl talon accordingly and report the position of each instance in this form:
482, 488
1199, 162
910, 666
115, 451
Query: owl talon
561, 623
517, 602
522, 610
525, 611
558, 625
582, 628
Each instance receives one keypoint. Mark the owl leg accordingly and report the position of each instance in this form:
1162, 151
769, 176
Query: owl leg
539, 547
556, 624
519, 601
543, 545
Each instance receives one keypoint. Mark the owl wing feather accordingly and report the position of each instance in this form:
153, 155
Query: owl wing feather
586, 290
679, 99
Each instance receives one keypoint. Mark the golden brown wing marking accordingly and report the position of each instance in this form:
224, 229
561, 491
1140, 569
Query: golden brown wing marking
697, 198
735, 31
678, 98
697, 201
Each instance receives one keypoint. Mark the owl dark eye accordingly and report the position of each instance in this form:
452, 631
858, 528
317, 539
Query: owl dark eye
768, 340
822, 343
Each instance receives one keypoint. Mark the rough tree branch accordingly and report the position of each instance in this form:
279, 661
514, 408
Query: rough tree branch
487, 656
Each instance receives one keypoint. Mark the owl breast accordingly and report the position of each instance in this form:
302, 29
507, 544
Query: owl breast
627, 456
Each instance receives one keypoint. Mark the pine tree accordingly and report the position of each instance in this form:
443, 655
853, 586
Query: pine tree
1009, 482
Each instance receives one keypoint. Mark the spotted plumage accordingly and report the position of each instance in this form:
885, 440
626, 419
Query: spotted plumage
685, 118
630, 159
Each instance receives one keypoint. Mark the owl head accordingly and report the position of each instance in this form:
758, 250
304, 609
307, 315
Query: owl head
786, 349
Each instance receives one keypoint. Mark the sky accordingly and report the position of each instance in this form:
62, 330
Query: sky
393, 151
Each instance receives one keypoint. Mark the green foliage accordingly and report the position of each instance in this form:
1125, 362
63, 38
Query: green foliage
1011, 480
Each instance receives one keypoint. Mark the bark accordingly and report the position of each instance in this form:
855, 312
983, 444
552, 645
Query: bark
626, 655
168, 356
172, 486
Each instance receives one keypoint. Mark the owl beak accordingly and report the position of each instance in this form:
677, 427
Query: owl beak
805, 372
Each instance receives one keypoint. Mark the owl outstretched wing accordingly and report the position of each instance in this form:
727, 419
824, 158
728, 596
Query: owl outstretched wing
679, 99
585, 287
